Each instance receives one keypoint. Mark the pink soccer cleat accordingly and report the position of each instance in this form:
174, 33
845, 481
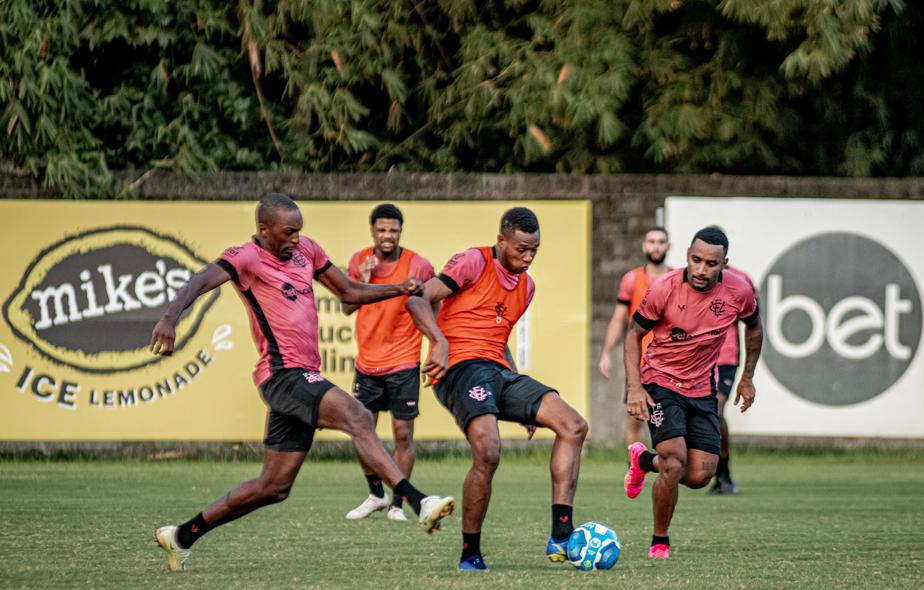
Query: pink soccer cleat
659, 551
635, 478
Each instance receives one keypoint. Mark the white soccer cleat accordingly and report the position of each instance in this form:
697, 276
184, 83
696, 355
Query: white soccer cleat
433, 509
176, 555
371, 504
396, 513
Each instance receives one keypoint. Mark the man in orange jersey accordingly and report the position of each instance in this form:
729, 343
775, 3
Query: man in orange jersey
388, 366
484, 291
632, 289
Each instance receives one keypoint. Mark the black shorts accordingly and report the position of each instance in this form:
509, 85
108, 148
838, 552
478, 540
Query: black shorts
293, 397
696, 419
397, 393
477, 387
726, 378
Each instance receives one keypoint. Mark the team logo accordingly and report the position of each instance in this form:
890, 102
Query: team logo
679, 334
290, 292
657, 416
842, 319
299, 258
500, 310
90, 301
478, 393
717, 307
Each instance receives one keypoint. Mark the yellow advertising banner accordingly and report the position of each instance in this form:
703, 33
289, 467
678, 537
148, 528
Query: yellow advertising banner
83, 283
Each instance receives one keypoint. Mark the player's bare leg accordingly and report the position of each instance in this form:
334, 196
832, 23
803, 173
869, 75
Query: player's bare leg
699, 469
723, 483
565, 464
672, 458
344, 413
377, 499
484, 440
403, 433
633, 430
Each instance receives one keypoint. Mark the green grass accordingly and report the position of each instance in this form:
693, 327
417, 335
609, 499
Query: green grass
801, 521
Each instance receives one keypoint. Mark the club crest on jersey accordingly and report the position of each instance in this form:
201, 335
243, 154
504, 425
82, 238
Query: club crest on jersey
299, 258
717, 307
478, 393
501, 310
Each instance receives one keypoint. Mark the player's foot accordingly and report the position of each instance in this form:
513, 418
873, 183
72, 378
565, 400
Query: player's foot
723, 487
475, 563
433, 509
371, 504
396, 513
176, 555
556, 550
635, 477
659, 551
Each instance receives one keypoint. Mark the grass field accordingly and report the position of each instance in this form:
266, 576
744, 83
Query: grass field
802, 521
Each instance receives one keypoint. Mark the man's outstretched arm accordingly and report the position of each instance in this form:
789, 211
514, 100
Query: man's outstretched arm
163, 337
355, 293
422, 310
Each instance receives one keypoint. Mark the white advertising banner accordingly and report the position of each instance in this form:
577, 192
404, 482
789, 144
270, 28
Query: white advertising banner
840, 295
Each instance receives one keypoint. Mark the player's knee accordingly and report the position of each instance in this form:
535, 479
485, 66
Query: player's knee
697, 480
361, 421
404, 439
275, 492
486, 457
671, 467
576, 430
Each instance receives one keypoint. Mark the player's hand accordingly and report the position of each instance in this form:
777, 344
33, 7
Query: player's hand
745, 393
530, 431
637, 403
437, 362
604, 365
163, 337
412, 287
365, 269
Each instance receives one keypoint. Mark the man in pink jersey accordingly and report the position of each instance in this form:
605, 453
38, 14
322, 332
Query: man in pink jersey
388, 366
689, 311
274, 275
726, 369
632, 289
482, 292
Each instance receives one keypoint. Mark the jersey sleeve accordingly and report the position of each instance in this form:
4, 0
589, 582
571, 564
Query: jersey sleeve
750, 311
530, 289
421, 268
626, 286
652, 306
239, 262
315, 254
462, 270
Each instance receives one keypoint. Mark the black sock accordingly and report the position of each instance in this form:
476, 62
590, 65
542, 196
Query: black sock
397, 502
656, 540
375, 486
471, 545
561, 522
722, 471
646, 461
410, 494
189, 532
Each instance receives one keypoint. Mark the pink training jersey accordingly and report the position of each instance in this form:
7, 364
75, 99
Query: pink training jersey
279, 299
729, 355
464, 269
689, 328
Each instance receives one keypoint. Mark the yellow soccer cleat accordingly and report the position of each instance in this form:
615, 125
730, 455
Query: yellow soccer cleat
176, 555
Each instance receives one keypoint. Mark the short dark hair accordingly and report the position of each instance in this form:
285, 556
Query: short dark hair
657, 228
386, 211
712, 235
519, 218
272, 203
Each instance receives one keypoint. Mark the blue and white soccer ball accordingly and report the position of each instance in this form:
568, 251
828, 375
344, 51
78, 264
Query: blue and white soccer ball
593, 546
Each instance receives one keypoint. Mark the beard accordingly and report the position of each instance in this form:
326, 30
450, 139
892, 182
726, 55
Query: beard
655, 258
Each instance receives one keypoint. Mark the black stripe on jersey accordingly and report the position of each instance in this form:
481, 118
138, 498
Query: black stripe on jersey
228, 268
321, 270
453, 286
625, 302
752, 319
643, 321
272, 347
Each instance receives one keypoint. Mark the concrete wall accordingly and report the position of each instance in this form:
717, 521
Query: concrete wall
623, 207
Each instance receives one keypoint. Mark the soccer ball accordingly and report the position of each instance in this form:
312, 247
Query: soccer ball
593, 546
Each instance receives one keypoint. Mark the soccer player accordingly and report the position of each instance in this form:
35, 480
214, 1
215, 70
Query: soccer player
273, 274
632, 289
388, 366
726, 369
484, 291
689, 310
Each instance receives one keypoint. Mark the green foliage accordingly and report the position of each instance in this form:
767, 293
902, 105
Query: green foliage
591, 86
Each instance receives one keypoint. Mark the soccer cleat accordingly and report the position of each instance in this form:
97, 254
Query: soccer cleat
659, 551
176, 555
396, 513
556, 550
475, 563
371, 504
723, 487
635, 477
433, 509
